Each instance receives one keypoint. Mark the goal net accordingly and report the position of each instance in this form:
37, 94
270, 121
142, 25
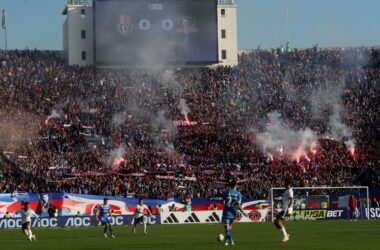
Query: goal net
324, 203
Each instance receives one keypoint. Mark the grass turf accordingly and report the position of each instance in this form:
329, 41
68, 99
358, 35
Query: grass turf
304, 235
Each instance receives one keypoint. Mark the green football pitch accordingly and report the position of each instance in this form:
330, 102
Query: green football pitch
304, 235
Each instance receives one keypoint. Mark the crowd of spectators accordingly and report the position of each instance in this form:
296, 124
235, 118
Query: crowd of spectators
127, 132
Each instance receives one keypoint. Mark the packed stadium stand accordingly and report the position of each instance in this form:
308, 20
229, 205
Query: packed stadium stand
137, 132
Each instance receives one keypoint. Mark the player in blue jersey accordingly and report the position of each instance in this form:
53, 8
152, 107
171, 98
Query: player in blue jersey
105, 215
232, 204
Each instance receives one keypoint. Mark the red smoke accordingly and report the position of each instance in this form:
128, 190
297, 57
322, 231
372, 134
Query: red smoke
118, 161
187, 122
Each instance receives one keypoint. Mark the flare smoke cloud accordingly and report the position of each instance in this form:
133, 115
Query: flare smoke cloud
292, 143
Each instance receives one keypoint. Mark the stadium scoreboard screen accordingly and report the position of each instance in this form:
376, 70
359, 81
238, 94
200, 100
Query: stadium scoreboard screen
139, 32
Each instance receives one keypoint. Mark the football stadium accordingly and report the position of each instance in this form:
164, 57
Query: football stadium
189, 124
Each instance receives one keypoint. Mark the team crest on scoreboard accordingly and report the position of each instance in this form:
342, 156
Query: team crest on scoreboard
186, 24
125, 26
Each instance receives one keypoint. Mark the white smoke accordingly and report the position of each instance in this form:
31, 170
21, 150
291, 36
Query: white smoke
329, 98
182, 106
116, 154
119, 118
292, 143
161, 122
18, 129
54, 114
339, 130
169, 81
325, 97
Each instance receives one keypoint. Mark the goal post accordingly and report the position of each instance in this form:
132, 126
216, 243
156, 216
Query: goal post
316, 203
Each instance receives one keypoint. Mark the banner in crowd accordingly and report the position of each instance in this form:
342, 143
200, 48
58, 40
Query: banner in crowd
70, 204
73, 221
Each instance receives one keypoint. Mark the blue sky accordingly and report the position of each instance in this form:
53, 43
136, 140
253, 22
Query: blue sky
330, 23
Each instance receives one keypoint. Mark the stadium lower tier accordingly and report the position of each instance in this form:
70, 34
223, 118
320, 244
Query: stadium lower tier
55, 205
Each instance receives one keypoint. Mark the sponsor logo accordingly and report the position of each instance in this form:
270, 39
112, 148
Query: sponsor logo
214, 217
334, 214
374, 212
125, 26
10, 223
45, 222
255, 216
77, 222
152, 220
73, 221
171, 219
309, 214
238, 217
192, 219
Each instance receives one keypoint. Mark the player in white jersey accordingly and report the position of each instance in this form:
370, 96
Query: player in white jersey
139, 215
287, 209
26, 213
